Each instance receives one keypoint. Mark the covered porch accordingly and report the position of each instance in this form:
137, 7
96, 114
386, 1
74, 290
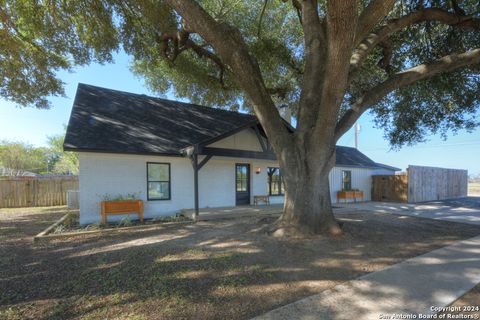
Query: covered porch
257, 150
207, 214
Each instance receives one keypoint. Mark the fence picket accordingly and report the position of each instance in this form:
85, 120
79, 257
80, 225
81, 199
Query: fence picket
35, 192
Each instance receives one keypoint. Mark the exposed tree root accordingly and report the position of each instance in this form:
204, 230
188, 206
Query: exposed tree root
282, 229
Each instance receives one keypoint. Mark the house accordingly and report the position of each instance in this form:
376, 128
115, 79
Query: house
176, 155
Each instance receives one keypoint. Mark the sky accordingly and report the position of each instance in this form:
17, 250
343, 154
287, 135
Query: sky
33, 126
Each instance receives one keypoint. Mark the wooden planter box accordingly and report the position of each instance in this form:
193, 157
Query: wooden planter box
349, 195
122, 207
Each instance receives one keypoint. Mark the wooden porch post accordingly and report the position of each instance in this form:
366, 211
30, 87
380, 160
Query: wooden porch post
195, 182
192, 153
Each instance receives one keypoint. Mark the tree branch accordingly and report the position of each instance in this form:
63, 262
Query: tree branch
392, 26
387, 52
202, 52
232, 49
341, 19
6, 20
262, 13
280, 92
315, 53
457, 8
371, 16
402, 79
298, 7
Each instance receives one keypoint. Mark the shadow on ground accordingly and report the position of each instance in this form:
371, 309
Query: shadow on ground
212, 269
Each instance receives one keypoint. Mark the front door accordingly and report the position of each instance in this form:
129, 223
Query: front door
242, 183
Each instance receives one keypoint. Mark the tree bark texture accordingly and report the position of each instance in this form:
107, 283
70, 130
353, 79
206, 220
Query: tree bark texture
307, 206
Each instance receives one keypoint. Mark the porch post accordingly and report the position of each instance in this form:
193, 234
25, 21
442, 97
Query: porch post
195, 182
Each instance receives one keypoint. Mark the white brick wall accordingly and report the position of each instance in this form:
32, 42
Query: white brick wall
120, 174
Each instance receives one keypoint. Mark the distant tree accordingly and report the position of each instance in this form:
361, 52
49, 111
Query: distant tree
22, 156
62, 162
474, 177
412, 63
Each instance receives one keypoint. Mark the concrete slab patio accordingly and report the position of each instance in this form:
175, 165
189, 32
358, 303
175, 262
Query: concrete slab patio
465, 210
415, 286
219, 213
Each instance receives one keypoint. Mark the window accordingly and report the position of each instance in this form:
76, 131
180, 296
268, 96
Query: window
158, 181
346, 180
275, 185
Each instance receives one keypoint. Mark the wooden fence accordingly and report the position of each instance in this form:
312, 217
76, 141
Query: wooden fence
430, 183
390, 188
36, 192
421, 184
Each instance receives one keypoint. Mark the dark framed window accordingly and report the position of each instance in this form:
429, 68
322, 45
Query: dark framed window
346, 180
158, 181
242, 178
274, 184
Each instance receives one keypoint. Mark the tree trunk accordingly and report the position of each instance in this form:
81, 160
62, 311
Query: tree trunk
308, 207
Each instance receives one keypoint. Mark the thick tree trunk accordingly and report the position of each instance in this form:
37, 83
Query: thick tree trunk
308, 208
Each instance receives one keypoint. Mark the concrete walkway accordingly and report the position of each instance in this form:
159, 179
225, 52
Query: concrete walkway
440, 210
413, 286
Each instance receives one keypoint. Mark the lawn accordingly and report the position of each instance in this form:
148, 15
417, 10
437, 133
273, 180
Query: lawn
226, 269
474, 188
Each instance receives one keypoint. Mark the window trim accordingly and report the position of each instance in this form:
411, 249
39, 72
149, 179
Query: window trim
280, 184
343, 182
169, 182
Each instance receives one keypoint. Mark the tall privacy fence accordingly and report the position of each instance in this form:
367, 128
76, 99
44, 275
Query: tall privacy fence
36, 192
421, 184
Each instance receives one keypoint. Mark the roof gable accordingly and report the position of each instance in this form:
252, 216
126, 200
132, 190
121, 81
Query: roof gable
115, 121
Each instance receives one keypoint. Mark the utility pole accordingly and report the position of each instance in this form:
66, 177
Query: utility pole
357, 131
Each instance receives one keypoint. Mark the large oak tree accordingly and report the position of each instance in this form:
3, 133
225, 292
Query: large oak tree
412, 63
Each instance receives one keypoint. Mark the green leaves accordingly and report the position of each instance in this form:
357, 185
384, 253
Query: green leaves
40, 38
440, 105
62, 162
22, 156
25, 157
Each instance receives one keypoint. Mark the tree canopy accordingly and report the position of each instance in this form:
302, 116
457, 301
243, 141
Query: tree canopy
41, 37
21, 156
61, 162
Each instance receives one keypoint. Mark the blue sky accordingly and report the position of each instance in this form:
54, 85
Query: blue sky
33, 126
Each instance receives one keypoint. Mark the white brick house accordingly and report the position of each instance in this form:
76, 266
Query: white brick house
151, 147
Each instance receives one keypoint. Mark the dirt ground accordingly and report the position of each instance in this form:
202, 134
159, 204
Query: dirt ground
225, 269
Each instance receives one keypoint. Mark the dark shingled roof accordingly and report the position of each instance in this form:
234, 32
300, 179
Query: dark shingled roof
115, 121
105, 120
347, 156
386, 166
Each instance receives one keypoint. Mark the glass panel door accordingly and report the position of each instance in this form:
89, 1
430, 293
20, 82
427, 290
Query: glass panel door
242, 183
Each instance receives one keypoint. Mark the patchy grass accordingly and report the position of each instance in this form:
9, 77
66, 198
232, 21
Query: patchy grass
225, 269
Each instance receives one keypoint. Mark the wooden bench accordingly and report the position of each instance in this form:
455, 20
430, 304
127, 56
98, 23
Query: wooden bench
122, 207
258, 199
349, 195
